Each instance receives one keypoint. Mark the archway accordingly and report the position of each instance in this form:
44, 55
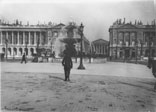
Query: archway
15, 51
121, 54
9, 51
32, 51
153, 52
3, 49
133, 53
146, 52
26, 50
21, 51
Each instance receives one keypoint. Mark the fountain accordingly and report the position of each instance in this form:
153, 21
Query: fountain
58, 46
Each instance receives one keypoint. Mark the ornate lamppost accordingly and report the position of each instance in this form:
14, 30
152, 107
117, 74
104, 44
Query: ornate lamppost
136, 45
6, 51
124, 47
116, 51
81, 59
26, 45
149, 55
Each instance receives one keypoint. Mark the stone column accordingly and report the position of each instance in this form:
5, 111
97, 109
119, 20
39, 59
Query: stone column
101, 48
123, 37
104, 50
7, 35
12, 51
35, 38
40, 38
95, 48
17, 38
0, 38
29, 53
117, 43
12, 33
23, 38
29, 39
129, 39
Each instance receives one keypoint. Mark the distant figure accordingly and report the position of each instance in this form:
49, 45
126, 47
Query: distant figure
23, 58
154, 67
68, 64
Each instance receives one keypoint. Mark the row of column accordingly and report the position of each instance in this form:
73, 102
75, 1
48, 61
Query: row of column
24, 38
144, 39
124, 40
99, 49
137, 52
19, 51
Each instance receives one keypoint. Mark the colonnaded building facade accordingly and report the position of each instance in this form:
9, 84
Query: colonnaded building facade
100, 47
16, 39
131, 41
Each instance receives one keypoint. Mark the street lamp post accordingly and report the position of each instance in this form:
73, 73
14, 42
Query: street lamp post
124, 54
136, 44
6, 43
116, 52
149, 55
26, 43
81, 59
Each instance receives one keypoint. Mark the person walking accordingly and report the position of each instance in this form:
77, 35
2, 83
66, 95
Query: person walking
23, 58
68, 64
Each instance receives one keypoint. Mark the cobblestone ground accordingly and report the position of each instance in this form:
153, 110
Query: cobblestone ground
48, 92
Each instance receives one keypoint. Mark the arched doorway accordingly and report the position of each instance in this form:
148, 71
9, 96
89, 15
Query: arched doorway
146, 52
9, 51
26, 50
133, 53
15, 51
153, 52
3, 49
21, 51
32, 51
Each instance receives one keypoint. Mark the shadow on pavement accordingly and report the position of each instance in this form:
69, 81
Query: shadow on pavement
137, 86
55, 77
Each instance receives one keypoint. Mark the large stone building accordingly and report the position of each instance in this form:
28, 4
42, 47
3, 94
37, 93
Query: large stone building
100, 47
16, 39
131, 41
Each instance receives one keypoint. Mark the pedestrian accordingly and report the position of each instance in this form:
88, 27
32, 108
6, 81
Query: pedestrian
68, 64
23, 58
154, 66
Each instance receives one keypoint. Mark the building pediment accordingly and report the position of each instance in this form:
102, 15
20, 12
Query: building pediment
128, 26
100, 41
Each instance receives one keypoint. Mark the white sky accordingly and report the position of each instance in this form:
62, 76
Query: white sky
96, 15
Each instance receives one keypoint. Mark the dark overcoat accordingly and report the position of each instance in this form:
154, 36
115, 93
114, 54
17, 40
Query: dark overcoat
67, 62
154, 67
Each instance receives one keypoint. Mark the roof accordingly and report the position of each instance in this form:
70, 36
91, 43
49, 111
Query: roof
100, 41
59, 25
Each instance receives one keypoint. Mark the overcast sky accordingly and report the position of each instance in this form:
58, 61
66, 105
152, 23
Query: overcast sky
96, 15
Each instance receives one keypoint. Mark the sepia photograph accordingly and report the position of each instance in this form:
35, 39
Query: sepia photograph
78, 55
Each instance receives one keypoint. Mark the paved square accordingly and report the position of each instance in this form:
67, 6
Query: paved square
26, 88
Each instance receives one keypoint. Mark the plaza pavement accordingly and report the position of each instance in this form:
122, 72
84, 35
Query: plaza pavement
40, 87
109, 69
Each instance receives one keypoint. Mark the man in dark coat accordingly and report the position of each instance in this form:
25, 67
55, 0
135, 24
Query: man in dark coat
154, 67
23, 58
68, 64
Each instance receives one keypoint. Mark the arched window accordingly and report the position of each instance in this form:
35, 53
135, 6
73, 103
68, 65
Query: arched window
15, 51
9, 51
21, 51
32, 51
26, 50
